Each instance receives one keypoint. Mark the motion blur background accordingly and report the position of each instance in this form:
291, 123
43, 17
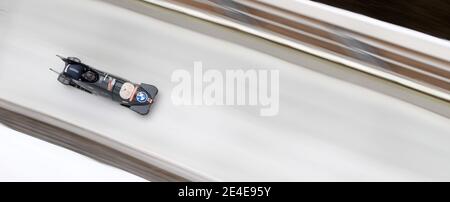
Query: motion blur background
333, 124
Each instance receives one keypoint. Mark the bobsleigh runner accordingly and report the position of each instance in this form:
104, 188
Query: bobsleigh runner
136, 97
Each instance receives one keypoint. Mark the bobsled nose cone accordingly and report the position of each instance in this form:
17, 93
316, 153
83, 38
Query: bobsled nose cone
141, 109
151, 90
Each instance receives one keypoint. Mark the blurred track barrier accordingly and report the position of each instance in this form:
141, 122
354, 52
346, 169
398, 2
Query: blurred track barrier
67, 135
421, 68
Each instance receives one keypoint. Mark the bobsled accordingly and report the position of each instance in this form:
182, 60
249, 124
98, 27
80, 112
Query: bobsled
137, 97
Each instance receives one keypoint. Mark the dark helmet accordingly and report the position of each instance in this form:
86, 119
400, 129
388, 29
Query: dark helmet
74, 71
